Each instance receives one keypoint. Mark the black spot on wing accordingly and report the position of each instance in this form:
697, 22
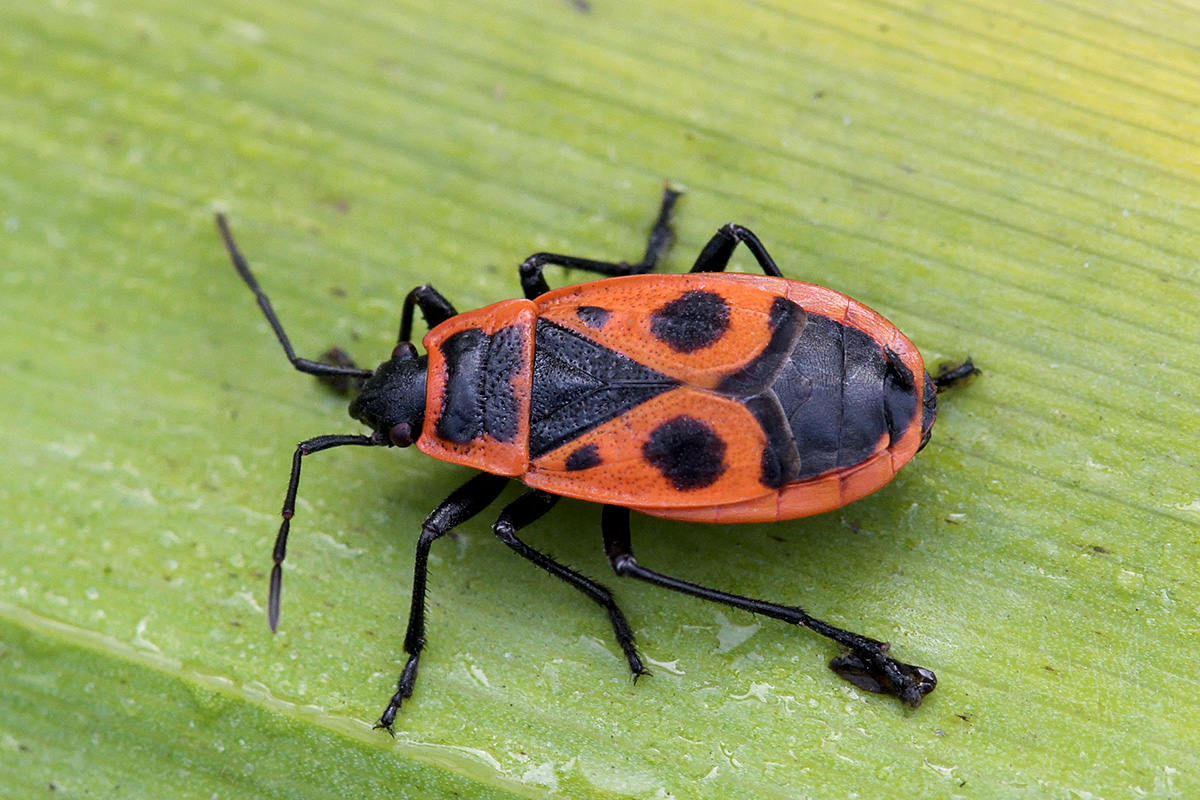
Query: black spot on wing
691, 322
585, 457
687, 452
579, 385
593, 316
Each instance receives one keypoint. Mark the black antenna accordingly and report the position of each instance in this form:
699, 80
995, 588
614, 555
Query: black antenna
304, 448
302, 364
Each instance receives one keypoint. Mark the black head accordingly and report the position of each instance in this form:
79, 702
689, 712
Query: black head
392, 400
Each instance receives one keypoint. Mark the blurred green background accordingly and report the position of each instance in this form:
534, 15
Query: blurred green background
1016, 181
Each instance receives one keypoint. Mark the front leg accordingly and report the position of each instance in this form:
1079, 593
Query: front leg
525, 511
435, 308
716, 254
471, 498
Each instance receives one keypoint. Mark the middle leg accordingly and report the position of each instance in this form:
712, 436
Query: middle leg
661, 237
716, 254
531, 507
435, 308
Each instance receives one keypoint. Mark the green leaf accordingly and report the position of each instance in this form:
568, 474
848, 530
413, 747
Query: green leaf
1015, 181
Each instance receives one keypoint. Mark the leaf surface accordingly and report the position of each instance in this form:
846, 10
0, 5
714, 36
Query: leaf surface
1013, 181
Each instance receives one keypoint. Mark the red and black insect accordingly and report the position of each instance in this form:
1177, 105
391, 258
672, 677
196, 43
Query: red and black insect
710, 396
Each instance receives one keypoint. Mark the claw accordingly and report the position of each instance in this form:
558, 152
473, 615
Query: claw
388, 718
385, 726
874, 672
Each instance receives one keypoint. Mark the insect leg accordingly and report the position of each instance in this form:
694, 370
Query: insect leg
468, 500
661, 237
302, 364
950, 375
866, 665
434, 308
524, 511
716, 254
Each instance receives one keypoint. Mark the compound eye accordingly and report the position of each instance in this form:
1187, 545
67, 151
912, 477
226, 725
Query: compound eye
401, 434
404, 350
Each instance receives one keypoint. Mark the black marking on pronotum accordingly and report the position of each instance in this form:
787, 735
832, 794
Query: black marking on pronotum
687, 452
786, 321
585, 457
479, 395
579, 385
693, 321
505, 358
593, 316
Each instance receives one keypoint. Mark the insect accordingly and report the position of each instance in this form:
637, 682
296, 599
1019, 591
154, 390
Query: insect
708, 397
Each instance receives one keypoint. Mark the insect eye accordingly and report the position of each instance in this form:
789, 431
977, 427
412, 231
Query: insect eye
401, 434
404, 350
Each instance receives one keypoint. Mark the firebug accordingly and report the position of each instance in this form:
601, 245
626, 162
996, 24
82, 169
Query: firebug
706, 397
